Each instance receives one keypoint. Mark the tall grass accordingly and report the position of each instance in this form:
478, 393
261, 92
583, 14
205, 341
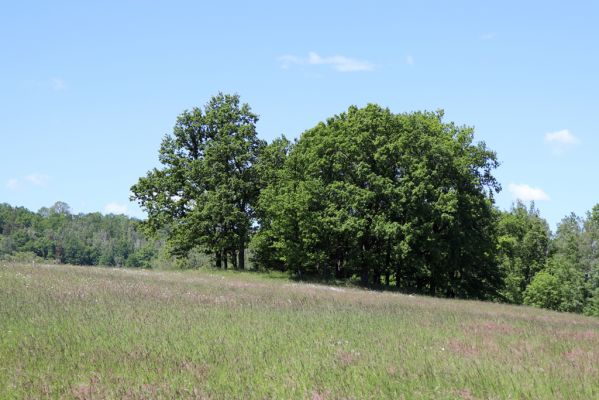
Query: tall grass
91, 333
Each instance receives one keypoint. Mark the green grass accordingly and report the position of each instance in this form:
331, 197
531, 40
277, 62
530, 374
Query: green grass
92, 333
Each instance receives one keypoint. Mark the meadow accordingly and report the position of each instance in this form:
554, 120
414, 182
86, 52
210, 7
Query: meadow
95, 333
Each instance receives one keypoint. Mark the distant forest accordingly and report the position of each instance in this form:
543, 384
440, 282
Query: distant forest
55, 234
388, 201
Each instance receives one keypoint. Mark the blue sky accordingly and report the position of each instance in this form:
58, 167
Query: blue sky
87, 91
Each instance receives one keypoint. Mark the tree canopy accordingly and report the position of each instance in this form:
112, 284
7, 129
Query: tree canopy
523, 242
206, 191
385, 197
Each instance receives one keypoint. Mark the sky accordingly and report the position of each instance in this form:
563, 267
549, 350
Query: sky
89, 89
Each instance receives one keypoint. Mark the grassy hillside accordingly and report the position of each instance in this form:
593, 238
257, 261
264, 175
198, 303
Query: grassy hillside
91, 333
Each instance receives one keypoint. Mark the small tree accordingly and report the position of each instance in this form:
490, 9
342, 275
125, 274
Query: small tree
560, 286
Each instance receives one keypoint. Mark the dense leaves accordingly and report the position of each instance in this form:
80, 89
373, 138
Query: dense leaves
85, 239
559, 272
402, 198
523, 248
206, 190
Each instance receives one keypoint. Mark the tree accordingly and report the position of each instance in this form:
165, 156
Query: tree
206, 191
523, 248
567, 240
270, 169
578, 239
591, 260
560, 286
384, 196
570, 279
544, 291
589, 248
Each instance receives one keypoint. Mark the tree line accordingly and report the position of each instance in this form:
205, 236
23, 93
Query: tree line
559, 271
403, 201
55, 234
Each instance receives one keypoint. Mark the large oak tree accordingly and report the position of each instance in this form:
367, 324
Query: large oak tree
403, 198
205, 193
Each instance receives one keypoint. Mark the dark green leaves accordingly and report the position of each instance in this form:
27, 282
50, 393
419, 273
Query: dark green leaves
383, 196
206, 191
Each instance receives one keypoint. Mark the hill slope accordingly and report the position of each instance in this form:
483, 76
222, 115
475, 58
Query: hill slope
81, 332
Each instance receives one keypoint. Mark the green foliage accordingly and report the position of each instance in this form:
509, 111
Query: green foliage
559, 287
592, 305
560, 273
142, 257
205, 193
54, 234
544, 291
384, 196
21, 257
567, 241
523, 247
575, 262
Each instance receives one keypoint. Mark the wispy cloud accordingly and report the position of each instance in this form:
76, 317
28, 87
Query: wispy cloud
527, 193
410, 59
562, 140
337, 62
288, 60
38, 179
33, 179
115, 208
487, 36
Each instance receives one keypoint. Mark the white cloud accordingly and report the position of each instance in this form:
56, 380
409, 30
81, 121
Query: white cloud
487, 36
340, 63
563, 137
13, 184
115, 208
560, 141
409, 59
38, 179
337, 62
527, 193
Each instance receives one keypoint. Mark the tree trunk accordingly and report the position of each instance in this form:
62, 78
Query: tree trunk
387, 263
364, 276
364, 268
234, 259
241, 255
219, 260
432, 284
225, 260
339, 268
376, 278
